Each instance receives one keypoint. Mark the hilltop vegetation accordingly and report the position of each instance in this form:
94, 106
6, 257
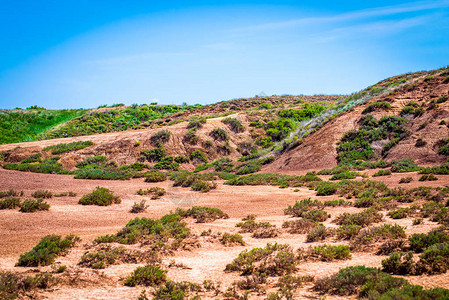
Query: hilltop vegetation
28, 125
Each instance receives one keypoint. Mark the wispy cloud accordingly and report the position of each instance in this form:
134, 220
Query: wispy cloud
379, 28
355, 15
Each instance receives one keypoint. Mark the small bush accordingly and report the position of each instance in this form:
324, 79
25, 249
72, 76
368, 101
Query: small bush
300, 226
428, 177
160, 137
228, 239
203, 186
155, 176
273, 260
400, 263
219, 134
182, 159
202, 214
364, 218
318, 233
139, 207
9, 203
234, 124
382, 173
348, 232
326, 189
46, 251
380, 105
42, 194
196, 122
147, 276
328, 253
421, 241
31, 205
11, 193
406, 179
153, 155
399, 213
199, 155
100, 196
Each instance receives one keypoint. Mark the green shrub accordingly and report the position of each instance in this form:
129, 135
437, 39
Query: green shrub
100, 196
367, 236
11, 193
219, 134
198, 155
406, 180
421, 241
160, 137
434, 260
139, 207
103, 174
166, 233
228, 239
348, 232
10, 203
99, 161
380, 105
153, 155
300, 226
167, 163
64, 148
202, 214
328, 253
326, 189
358, 280
103, 257
364, 218
400, 263
155, 176
148, 276
382, 173
404, 165
203, 186
428, 177
42, 194
31, 205
318, 233
273, 260
344, 175
175, 290
399, 213
46, 251
300, 208
338, 202
182, 159
234, 124
196, 122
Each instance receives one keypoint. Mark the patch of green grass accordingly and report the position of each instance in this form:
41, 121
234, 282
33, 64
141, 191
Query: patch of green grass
382, 173
113, 120
375, 106
22, 126
100, 196
421, 241
46, 251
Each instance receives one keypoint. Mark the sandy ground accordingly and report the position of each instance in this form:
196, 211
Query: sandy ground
19, 232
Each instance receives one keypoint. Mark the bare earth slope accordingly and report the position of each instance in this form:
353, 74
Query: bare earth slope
318, 151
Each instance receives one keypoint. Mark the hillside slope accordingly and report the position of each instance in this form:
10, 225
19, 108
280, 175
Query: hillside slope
425, 92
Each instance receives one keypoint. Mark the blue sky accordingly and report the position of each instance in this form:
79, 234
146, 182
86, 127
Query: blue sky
71, 54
